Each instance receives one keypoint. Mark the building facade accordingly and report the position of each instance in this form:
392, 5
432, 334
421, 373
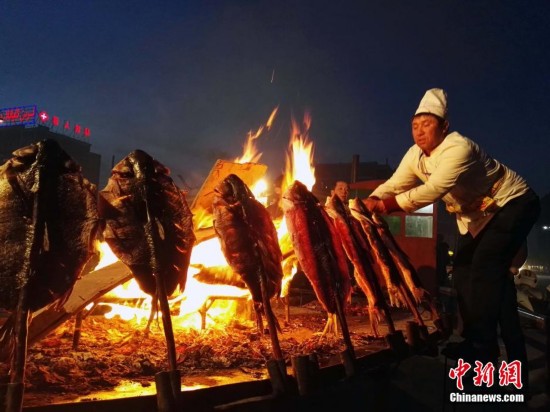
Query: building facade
18, 136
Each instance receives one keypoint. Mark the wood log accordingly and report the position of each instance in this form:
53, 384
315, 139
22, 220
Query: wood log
86, 290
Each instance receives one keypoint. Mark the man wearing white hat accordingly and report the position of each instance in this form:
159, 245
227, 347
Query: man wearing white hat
495, 210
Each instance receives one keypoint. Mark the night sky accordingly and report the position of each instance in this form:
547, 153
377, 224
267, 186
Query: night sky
187, 80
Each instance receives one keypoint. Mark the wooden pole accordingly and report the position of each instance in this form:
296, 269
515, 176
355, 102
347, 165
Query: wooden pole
162, 298
77, 329
165, 398
16, 386
270, 316
344, 324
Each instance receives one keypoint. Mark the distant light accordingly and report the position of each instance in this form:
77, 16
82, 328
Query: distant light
545, 227
43, 117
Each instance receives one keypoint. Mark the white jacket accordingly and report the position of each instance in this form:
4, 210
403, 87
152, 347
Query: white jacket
458, 172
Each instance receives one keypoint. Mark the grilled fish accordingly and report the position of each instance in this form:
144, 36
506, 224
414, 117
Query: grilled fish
380, 254
248, 239
357, 248
42, 180
406, 268
399, 294
149, 225
317, 246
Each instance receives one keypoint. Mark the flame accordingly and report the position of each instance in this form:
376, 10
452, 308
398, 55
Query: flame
250, 152
106, 256
299, 166
202, 219
299, 158
259, 189
209, 251
135, 305
199, 303
199, 298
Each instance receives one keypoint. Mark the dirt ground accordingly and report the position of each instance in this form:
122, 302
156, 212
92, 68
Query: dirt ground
115, 358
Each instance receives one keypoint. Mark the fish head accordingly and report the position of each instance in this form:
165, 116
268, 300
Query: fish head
337, 204
358, 205
136, 169
46, 157
298, 195
379, 220
137, 165
46, 152
297, 192
232, 189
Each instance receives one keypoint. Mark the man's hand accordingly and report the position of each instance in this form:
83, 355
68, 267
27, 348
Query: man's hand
374, 205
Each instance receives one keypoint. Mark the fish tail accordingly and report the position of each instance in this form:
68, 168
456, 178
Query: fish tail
374, 315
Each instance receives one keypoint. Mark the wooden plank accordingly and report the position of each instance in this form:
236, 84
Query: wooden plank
86, 290
249, 173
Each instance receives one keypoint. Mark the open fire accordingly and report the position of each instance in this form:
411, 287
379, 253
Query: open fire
203, 304
212, 316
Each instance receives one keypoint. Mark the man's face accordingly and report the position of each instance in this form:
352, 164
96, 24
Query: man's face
428, 132
342, 191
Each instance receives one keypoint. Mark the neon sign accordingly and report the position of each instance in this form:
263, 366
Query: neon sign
55, 122
29, 116
18, 116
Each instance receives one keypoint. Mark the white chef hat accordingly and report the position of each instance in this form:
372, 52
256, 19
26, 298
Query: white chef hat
433, 102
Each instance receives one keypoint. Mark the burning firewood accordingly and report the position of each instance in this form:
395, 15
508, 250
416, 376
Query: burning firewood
48, 227
320, 253
250, 245
357, 248
150, 228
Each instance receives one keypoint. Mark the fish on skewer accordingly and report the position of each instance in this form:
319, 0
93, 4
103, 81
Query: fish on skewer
320, 253
250, 245
149, 227
384, 263
406, 268
398, 292
357, 248
49, 226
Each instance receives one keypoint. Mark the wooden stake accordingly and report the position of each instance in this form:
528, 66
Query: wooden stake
77, 329
16, 386
165, 393
270, 316
344, 324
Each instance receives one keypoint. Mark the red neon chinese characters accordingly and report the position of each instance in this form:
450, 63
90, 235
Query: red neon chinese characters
510, 373
484, 374
458, 372
77, 128
55, 120
87, 131
43, 117
67, 125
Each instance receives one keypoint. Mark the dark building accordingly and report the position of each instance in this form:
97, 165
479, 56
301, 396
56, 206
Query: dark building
327, 174
15, 137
